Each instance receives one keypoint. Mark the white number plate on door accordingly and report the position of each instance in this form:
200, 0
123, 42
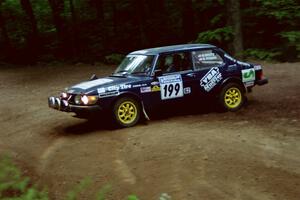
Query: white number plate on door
171, 86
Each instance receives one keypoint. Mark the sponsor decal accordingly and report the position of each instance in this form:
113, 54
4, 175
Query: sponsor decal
187, 90
93, 83
145, 89
155, 83
113, 88
138, 85
257, 67
155, 88
206, 56
101, 90
248, 84
109, 94
125, 87
248, 75
118, 87
170, 79
211, 78
171, 86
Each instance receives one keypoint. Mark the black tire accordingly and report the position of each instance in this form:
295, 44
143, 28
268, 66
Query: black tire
126, 112
232, 97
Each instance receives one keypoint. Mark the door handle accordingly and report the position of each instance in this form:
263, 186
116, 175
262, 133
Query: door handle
191, 75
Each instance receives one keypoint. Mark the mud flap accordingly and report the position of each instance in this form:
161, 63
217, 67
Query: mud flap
144, 112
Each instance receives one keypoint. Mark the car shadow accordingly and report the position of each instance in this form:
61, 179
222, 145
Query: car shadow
85, 126
175, 111
103, 124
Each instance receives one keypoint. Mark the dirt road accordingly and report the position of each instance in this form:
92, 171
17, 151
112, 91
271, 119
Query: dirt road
253, 154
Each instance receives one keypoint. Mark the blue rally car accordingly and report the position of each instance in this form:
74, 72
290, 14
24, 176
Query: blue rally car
157, 77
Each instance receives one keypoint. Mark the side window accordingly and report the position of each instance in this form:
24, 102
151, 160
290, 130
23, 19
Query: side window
206, 58
175, 62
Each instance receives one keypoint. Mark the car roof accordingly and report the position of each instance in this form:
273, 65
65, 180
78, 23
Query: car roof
173, 48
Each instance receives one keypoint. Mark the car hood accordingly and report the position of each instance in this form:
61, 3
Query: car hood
109, 83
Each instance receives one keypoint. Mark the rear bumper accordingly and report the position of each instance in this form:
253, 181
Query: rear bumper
262, 81
63, 105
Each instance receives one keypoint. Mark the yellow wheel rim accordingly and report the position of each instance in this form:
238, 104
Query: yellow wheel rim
233, 97
127, 112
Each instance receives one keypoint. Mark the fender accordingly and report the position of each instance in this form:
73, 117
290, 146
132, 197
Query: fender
234, 80
135, 96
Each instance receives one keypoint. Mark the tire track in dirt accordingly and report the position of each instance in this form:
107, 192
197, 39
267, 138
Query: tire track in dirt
48, 153
124, 172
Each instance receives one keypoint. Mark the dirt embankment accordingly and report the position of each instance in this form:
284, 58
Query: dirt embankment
251, 154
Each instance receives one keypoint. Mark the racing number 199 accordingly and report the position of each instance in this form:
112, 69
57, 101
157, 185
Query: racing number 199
170, 88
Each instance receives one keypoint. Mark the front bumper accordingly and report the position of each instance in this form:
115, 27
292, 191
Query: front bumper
63, 105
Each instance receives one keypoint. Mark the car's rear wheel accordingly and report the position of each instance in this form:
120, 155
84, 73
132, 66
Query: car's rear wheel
232, 97
126, 112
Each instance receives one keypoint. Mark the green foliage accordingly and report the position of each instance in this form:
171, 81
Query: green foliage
132, 197
220, 34
216, 19
293, 39
14, 186
103, 192
74, 193
96, 29
280, 9
261, 54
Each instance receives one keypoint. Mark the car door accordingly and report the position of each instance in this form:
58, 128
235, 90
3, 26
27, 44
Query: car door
208, 68
178, 79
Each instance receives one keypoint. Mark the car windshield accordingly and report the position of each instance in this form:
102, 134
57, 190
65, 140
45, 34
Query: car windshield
136, 64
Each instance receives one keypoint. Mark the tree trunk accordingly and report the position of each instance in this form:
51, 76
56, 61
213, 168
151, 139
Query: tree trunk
57, 7
32, 40
99, 11
74, 39
7, 46
114, 17
234, 20
139, 7
100, 28
6, 40
159, 30
188, 20
26, 5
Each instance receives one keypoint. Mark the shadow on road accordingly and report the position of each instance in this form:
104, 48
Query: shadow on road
85, 126
103, 122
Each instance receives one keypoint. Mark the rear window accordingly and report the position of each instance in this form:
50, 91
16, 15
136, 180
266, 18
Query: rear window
206, 58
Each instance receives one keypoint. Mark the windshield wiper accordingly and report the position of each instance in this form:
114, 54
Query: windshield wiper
139, 73
121, 71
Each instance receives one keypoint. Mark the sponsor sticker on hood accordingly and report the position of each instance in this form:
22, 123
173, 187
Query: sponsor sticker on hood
89, 84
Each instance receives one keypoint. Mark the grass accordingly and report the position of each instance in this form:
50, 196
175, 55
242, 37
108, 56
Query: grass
15, 186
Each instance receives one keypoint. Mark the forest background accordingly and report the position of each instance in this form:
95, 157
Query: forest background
91, 31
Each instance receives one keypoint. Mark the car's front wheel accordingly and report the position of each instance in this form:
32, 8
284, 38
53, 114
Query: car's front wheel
232, 97
126, 112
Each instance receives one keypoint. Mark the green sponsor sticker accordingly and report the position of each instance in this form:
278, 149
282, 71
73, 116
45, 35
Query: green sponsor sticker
248, 75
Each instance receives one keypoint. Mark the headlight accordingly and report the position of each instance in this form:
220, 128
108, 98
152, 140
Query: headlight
89, 100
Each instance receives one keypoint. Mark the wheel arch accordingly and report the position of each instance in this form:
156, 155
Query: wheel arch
233, 80
134, 96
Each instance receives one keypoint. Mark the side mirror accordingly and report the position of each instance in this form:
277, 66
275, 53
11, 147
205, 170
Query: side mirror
157, 73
